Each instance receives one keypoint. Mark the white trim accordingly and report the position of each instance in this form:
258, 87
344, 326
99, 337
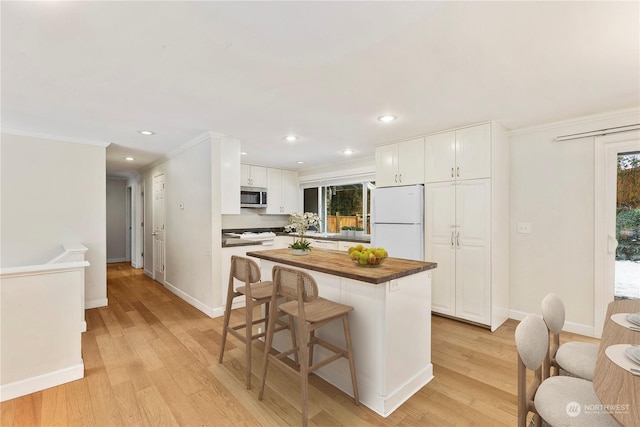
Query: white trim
41, 382
111, 260
191, 300
630, 112
575, 328
603, 295
32, 270
96, 303
192, 143
20, 132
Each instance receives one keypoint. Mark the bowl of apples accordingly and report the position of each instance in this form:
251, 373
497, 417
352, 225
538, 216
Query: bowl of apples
367, 257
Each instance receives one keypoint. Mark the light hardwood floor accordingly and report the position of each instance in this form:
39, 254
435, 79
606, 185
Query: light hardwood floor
151, 359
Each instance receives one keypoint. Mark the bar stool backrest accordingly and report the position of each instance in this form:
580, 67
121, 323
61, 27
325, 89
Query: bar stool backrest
294, 284
245, 270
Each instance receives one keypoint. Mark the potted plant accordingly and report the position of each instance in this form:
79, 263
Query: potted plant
344, 230
359, 231
300, 247
300, 223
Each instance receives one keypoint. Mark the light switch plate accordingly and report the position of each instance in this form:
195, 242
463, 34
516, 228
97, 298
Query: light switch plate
524, 227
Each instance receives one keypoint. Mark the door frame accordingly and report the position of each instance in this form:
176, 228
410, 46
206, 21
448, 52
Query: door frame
606, 147
158, 274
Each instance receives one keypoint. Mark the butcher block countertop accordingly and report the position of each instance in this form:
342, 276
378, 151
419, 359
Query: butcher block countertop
338, 263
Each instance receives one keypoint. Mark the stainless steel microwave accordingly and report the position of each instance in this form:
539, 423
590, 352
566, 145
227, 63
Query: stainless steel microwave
253, 197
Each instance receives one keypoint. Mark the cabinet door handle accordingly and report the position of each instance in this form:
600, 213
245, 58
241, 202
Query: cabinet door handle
395, 178
458, 239
451, 172
452, 239
458, 171
400, 177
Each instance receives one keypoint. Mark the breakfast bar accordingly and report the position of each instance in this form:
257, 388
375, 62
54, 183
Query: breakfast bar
390, 324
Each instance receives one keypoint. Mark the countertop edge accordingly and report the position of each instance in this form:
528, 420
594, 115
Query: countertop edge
425, 266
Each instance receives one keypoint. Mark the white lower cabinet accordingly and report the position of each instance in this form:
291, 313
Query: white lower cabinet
344, 246
458, 226
324, 244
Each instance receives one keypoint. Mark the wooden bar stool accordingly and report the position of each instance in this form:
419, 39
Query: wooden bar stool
310, 312
256, 293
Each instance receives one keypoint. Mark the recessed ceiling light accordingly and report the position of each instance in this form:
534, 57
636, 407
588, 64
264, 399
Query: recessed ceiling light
291, 138
243, 153
301, 162
130, 159
387, 118
348, 151
146, 132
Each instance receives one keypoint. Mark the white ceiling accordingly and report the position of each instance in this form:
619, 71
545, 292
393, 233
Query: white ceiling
101, 71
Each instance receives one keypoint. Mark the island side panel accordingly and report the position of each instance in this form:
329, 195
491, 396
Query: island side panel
391, 335
407, 325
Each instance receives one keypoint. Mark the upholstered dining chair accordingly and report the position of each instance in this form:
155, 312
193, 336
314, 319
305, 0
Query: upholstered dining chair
558, 400
256, 293
310, 312
577, 359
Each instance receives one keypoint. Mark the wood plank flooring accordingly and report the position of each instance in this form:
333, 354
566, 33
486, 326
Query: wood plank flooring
151, 360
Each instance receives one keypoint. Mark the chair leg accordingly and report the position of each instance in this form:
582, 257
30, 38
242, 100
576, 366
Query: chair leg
248, 332
352, 365
271, 326
312, 336
225, 326
303, 349
292, 328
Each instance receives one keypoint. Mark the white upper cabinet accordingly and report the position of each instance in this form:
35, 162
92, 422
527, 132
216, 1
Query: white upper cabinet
282, 191
401, 163
459, 154
253, 176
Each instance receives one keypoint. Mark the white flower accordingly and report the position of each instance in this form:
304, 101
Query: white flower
300, 223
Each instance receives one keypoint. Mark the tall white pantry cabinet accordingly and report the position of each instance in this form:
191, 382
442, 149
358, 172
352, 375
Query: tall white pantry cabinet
467, 222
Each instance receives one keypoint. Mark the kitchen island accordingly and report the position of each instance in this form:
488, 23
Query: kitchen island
390, 324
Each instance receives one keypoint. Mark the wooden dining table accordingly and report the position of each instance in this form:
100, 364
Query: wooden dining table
617, 388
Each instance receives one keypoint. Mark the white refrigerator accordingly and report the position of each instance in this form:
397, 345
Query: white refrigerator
397, 221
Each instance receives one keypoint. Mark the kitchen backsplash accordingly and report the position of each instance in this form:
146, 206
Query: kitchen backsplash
249, 218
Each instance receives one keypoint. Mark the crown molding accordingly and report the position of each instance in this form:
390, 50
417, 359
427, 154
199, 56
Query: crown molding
22, 132
629, 112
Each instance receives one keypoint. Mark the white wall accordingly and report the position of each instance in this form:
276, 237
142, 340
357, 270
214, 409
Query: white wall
116, 220
552, 187
194, 178
188, 230
54, 192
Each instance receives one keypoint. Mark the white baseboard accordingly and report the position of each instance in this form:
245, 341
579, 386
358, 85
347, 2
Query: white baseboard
194, 302
111, 260
148, 273
576, 328
41, 382
95, 303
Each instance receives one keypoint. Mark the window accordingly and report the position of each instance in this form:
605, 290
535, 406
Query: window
346, 205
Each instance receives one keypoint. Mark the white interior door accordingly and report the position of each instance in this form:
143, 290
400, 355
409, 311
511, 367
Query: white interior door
158, 228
